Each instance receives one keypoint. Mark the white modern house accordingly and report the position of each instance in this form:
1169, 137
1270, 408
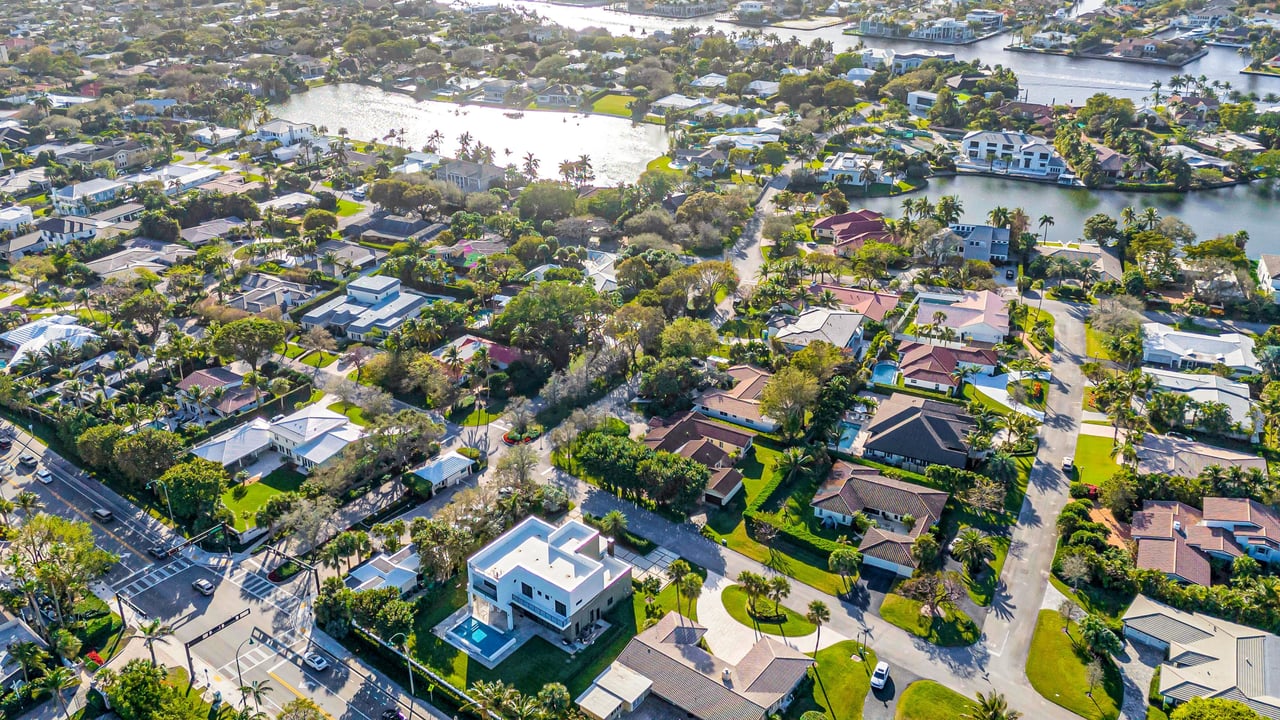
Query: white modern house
15, 217
398, 570
1269, 275
175, 179
1166, 345
30, 339
1012, 151
372, 302
285, 132
562, 578
1206, 388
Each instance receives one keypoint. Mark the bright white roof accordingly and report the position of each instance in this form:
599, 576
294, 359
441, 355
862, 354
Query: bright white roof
34, 337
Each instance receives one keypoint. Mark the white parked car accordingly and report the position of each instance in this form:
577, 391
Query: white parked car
880, 676
44, 476
316, 662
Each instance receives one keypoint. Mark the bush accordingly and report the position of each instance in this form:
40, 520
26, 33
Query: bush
1078, 490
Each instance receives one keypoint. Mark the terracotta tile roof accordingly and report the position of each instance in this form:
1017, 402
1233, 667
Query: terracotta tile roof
874, 305
851, 488
936, 363
674, 433
743, 399
209, 378
1256, 523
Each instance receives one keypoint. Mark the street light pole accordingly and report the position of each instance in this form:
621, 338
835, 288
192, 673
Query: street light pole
404, 650
239, 676
165, 487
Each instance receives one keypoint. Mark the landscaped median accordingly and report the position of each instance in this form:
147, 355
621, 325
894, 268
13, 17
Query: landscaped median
767, 617
949, 626
928, 700
1058, 669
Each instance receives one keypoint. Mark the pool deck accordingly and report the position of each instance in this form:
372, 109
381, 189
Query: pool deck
523, 631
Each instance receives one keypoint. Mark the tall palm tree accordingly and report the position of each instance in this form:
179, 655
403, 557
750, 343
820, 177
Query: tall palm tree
55, 681
28, 502
256, 689
992, 707
152, 632
972, 547
29, 656
1046, 222
818, 614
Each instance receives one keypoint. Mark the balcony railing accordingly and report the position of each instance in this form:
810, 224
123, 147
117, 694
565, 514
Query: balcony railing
559, 621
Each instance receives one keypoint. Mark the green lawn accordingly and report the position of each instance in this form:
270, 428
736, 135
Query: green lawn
1097, 600
319, 359
928, 700
613, 104
1056, 669
799, 563
840, 683
735, 601
290, 350
1028, 387
954, 629
347, 208
537, 663
958, 516
970, 393
257, 494
1094, 346
1094, 462
353, 412
469, 413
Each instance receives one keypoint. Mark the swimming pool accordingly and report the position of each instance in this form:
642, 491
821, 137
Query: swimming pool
885, 373
848, 433
487, 639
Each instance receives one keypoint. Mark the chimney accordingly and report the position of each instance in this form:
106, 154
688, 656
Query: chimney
1177, 526
609, 546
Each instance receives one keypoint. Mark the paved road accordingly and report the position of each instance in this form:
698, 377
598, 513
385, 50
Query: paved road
1010, 624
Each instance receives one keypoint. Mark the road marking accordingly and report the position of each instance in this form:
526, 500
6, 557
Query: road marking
78, 511
291, 689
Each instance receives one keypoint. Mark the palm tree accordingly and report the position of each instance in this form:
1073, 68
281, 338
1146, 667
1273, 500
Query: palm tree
1046, 222
972, 547
1150, 217
992, 707
29, 656
152, 632
613, 524
818, 614
256, 689
691, 587
28, 502
6, 507
793, 460
531, 165
56, 680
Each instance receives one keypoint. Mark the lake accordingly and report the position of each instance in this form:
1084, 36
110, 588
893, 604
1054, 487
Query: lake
1252, 208
618, 149
1043, 78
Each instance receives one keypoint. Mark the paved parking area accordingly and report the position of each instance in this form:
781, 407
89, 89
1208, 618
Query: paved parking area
644, 566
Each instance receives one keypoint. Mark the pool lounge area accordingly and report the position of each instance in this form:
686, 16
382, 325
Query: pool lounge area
481, 641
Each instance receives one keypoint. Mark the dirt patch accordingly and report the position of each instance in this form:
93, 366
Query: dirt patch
1119, 535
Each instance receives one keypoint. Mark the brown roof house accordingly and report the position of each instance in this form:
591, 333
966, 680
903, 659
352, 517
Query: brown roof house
739, 405
915, 433
871, 303
1254, 526
710, 443
216, 389
851, 489
1172, 539
664, 670
933, 367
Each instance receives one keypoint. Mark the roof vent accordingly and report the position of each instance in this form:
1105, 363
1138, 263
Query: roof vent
1177, 525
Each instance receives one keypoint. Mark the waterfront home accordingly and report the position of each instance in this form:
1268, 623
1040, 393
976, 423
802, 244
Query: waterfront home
915, 432
853, 169
987, 20
372, 302
676, 102
984, 242
1269, 275
309, 438
978, 316
1116, 165
901, 512
1011, 150
718, 447
497, 91
85, 197
285, 132
873, 58
841, 328
849, 231
1208, 657
15, 217
1167, 345
664, 672
935, 367
1052, 40
471, 176
739, 404
875, 305
1206, 388
948, 29
560, 95
905, 62
1188, 458
562, 578
1197, 159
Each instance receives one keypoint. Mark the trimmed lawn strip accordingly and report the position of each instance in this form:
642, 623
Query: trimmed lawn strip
953, 629
472, 413
613, 104
735, 601
839, 683
347, 208
1094, 346
1106, 604
928, 700
319, 359
1094, 462
353, 412
256, 495
1056, 669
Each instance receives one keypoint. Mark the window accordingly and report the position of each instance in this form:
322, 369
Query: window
526, 590
561, 609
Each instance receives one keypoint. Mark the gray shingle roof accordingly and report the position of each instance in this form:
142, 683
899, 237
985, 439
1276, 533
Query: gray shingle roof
927, 430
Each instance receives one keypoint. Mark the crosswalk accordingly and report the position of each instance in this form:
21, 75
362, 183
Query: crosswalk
157, 574
257, 584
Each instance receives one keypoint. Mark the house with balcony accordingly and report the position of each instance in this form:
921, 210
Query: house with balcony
285, 132
563, 578
1012, 151
85, 197
983, 242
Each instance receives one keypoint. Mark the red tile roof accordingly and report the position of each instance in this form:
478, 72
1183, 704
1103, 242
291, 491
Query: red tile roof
875, 305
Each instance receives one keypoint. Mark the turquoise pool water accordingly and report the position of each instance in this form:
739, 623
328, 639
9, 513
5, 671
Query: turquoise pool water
885, 373
848, 432
488, 639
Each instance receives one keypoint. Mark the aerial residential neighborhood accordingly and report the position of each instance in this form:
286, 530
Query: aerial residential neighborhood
646, 360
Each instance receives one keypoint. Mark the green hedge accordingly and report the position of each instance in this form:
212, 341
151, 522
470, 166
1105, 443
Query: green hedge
798, 535
316, 301
635, 542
